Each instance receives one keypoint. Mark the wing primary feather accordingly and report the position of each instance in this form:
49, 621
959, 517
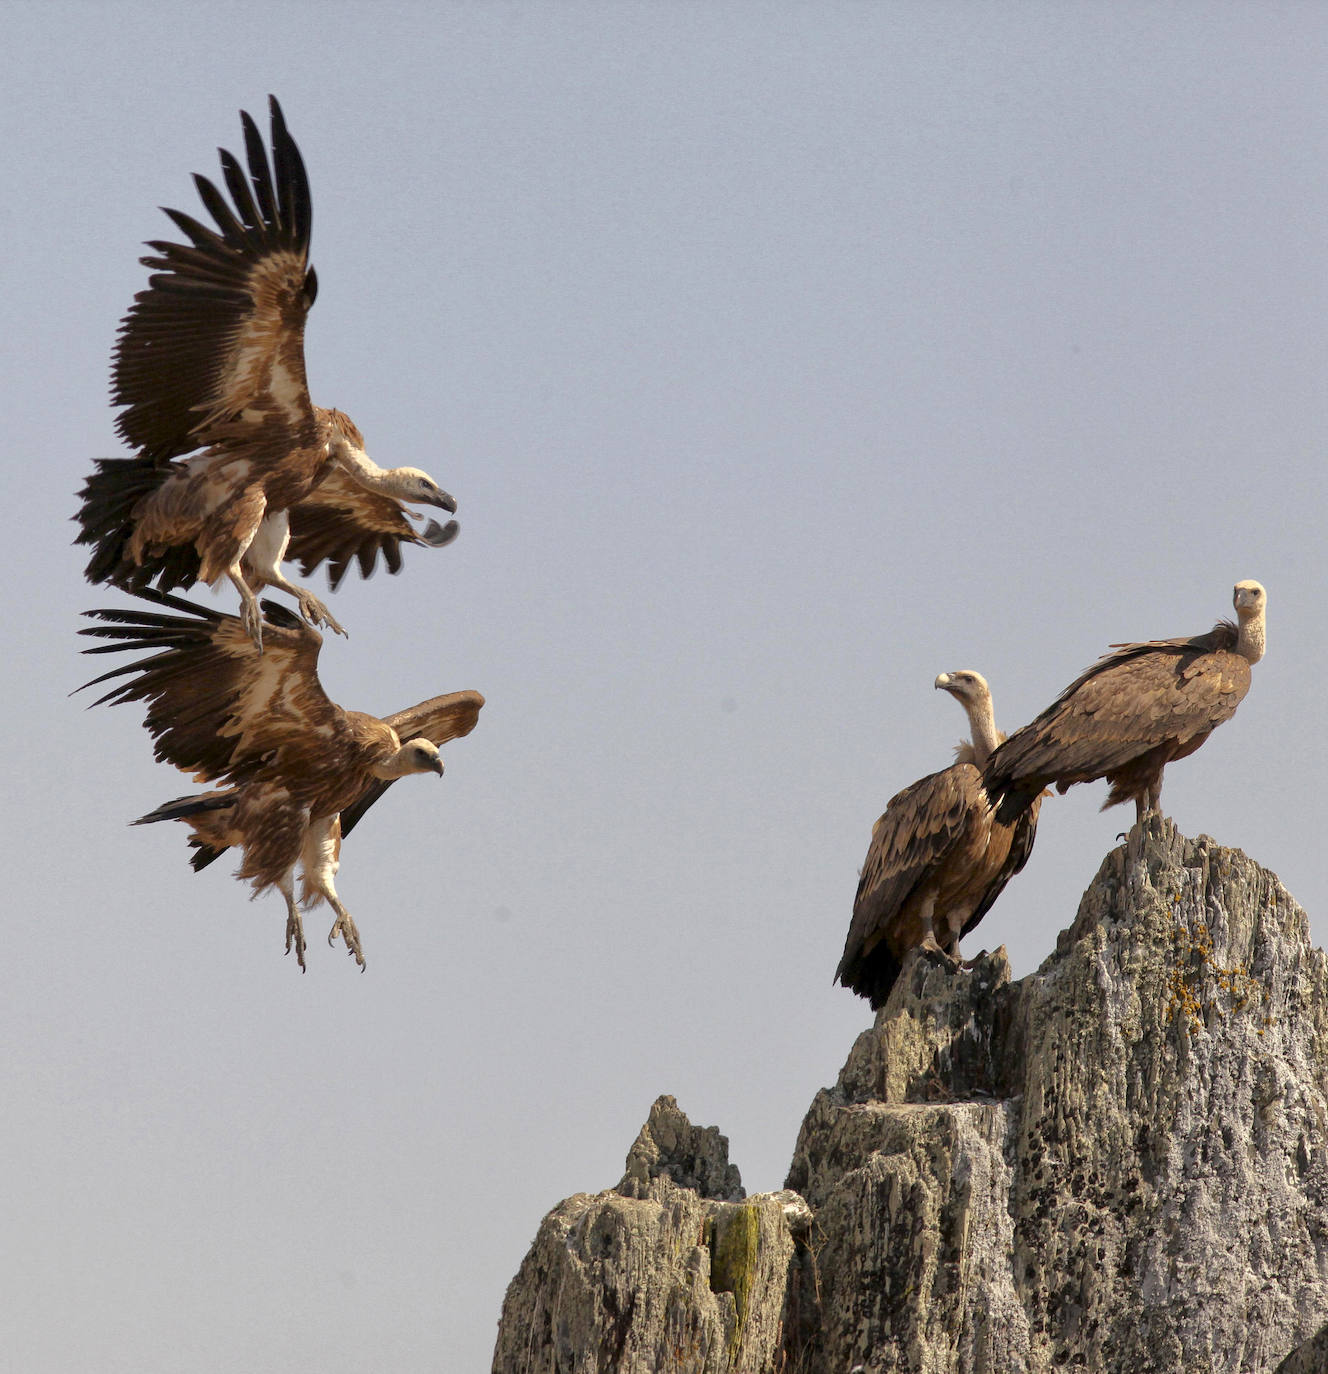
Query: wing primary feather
259, 172
238, 186
216, 206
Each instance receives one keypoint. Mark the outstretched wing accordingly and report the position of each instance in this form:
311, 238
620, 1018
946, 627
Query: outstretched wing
1135, 698
213, 349
920, 827
216, 707
439, 719
340, 521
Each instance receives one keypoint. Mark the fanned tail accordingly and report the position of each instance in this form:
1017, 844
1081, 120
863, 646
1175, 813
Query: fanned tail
106, 522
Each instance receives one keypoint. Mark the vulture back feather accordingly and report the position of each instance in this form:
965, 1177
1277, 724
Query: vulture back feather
1136, 709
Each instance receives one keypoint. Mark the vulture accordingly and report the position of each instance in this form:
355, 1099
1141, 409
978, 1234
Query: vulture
938, 859
235, 468
1135, 710
293, 771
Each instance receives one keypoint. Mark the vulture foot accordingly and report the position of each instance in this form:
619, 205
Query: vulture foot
932, 952
345, 927
295, 935
251, 618
316, 614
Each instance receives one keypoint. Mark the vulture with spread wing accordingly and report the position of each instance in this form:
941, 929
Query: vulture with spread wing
938, 860
236, 469
1134, 711
295, 772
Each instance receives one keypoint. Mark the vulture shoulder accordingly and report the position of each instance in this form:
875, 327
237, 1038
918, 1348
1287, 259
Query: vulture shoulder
213, 347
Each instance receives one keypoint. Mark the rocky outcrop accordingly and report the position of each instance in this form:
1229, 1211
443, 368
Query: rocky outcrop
1119, 1163
674, 1269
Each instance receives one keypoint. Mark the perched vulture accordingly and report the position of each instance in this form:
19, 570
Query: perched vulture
295, 772
1134, 711
210, 363
938, 859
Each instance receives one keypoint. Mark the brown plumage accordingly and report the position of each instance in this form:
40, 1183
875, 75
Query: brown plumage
210, 363
295, 771
938, 859
1134, 711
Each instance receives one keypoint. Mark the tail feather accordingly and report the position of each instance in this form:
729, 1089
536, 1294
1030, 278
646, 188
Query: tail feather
205, 855
872, 976
106, 521
182, 809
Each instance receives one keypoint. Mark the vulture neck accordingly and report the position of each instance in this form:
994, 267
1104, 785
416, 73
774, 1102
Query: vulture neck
1249, 641
982, 722
366, 472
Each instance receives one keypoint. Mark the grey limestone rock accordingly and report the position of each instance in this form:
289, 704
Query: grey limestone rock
695, 1157
675, 1269
1118, 1163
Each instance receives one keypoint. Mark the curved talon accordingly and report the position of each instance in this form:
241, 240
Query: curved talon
251, 619
315, 613
295, 934
345, 927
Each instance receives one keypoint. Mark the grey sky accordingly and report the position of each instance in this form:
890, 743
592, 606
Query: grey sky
779, 357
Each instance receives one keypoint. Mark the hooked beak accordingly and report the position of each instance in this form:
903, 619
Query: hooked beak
442, 500
438, 766
943, 681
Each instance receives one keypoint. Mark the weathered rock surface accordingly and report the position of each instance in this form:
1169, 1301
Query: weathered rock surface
1119, 1163
672, 1270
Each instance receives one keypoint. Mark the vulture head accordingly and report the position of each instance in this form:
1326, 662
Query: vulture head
416, 756
967, 685
412, 484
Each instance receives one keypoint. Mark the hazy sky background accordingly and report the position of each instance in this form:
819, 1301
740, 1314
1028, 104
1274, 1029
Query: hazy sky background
780, 357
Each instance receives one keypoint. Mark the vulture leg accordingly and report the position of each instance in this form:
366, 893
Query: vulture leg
294, 926
1149, 800
321, 859
251, 616
263, 558
930, 945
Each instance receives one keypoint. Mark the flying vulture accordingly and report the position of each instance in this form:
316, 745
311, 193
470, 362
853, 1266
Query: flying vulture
1134, 711
295, 772
938, 859
236, 469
